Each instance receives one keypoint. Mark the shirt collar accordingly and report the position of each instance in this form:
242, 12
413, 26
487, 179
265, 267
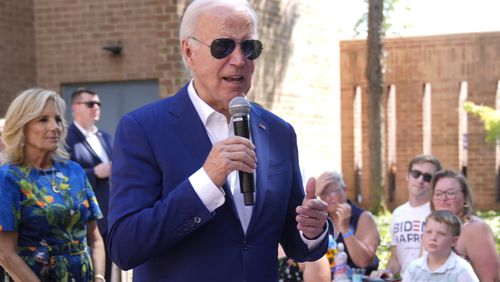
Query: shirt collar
449, 264
84, 131
202, 108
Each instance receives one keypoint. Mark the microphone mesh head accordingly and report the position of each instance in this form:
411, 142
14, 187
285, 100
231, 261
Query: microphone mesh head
239, 107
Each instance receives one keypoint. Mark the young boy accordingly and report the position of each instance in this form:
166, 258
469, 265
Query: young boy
440, 263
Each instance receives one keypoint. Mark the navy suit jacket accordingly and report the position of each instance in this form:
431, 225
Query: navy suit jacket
81, 152
161, 228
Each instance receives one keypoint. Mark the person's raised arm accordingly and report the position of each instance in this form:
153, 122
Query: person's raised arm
11, 261
362, 245
312, 214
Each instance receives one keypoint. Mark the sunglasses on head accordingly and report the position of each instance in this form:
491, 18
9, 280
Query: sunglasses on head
223, 47
90, 104
416, 174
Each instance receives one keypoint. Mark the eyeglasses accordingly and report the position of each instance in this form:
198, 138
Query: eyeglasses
223, 47
90, 104
416, 174
450, 194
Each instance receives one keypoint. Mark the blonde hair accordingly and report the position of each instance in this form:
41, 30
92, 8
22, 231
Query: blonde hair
27, 106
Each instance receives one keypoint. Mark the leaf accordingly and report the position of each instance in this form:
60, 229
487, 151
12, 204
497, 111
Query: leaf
74, 220
490, 118
51, 217
29, 202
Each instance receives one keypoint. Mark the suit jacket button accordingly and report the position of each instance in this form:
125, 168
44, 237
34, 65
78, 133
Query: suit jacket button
245, 246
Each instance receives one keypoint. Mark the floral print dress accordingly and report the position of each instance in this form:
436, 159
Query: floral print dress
49, 209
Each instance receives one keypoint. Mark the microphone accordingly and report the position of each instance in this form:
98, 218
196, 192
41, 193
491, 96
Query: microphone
239, 109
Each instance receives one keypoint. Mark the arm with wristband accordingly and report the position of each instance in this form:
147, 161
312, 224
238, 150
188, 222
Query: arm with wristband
362, 244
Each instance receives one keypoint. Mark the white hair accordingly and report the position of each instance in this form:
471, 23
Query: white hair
191, 16
193, 10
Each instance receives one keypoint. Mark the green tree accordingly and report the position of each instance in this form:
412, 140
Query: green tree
390, 8
490, 118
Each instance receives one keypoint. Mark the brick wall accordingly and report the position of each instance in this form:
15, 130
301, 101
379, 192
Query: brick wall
70, 36
17, 52
443, 61
52, 42
297, 76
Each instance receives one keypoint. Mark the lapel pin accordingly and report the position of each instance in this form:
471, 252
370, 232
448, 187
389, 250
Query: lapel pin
261, 125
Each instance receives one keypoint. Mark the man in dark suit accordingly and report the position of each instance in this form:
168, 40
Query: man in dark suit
91, 148
176, 210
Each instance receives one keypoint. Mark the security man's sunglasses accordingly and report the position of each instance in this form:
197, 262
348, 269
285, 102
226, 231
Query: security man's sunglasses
90, 104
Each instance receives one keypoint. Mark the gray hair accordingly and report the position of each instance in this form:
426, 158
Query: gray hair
327, 178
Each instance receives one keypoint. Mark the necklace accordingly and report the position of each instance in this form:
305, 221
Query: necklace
53, 182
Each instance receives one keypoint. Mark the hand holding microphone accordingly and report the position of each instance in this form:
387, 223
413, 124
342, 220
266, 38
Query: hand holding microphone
233, 153
239, 109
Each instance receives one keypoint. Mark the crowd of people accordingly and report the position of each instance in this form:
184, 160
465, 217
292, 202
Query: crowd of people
174, 210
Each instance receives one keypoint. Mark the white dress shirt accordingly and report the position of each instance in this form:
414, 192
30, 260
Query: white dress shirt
212, 196
217, 129
94, 142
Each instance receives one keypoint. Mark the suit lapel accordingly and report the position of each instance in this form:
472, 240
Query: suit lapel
194, 135
260, 137
189, 128
83, 140
106, 145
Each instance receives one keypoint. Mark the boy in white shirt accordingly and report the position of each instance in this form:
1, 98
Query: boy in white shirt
440, 263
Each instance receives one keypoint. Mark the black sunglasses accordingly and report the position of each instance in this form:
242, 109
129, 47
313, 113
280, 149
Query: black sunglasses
90, 104
223, 47
416, 174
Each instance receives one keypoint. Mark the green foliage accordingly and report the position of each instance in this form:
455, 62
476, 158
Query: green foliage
384, 226
390, 8
490, 118
383, 221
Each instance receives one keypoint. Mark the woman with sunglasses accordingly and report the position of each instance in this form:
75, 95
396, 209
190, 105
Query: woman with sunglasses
476, 243
48, 211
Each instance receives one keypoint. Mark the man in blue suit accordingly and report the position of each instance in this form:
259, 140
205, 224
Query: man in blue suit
91, 148
176, 210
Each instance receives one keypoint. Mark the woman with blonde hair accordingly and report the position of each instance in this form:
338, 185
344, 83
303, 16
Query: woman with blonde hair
48, 211
476, 243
